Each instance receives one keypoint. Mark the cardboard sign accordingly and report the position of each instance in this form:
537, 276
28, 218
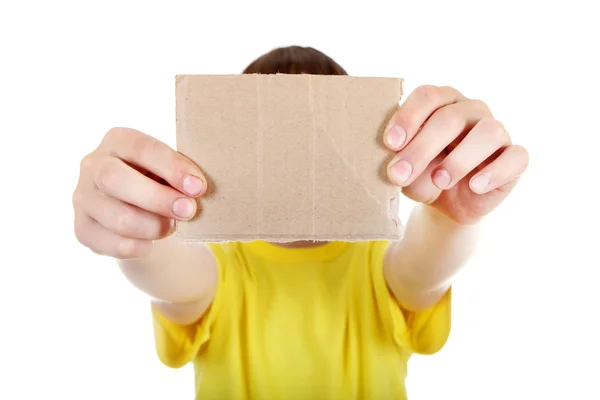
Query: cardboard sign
289, 157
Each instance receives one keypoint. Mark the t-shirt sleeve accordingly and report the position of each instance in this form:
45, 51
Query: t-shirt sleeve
176, 344
424, 332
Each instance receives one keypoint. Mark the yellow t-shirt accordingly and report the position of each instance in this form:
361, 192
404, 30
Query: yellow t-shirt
309, 323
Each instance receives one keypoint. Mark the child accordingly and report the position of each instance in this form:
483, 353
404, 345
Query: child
303, 320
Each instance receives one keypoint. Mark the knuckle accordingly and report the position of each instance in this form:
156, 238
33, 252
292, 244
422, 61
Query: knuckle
494, 129
126, 249
107, 177
452, 92
77, 199
80, 229
481, 105
455, 168
124, 223
521, 150
115, 138
97, 251
177, 166
524, 154
429, 92
178, 173
144, 148
448, 88
416, 154
450, 117
114, 135
86, 163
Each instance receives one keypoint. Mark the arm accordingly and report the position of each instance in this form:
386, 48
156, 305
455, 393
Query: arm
419, 268
130, 190
459, 162
180, 278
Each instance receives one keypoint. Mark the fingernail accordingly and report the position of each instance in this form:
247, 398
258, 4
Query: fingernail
192, 185
441, 178
480, 183
396, 137
401, 171
183, 208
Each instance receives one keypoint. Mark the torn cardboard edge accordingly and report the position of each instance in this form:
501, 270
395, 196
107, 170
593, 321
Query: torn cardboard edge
289, 157
282, 239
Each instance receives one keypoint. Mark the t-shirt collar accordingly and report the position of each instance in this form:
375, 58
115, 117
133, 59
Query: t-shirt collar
323, 252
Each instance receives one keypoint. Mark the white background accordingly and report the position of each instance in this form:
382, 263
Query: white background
525, 323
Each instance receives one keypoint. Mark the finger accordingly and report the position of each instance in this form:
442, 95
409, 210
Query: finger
509, 165
487, 137
443, 128
157, 157
126, 220
419, 105
116, 179
101, 241
422, 190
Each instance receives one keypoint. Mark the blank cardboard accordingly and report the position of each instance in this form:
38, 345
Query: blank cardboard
289, 157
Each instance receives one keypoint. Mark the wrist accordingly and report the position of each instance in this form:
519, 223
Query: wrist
440, 218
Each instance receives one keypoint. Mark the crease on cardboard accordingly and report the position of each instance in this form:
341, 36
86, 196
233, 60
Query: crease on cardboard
317, 122
311, 105
347, 164
259, 157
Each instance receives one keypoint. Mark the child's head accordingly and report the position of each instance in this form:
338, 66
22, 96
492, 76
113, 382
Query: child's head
295, 60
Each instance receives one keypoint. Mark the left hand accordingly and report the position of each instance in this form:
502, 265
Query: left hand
452, 154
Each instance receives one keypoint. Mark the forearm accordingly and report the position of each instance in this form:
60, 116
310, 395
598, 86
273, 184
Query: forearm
419, 268
174, 273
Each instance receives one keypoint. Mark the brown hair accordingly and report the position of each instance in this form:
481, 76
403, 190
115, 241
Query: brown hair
295, 60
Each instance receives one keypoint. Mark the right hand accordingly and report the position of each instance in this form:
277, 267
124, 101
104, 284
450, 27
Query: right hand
120, 205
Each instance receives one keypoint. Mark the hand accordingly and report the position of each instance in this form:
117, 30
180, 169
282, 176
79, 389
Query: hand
452, 154
130, 190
